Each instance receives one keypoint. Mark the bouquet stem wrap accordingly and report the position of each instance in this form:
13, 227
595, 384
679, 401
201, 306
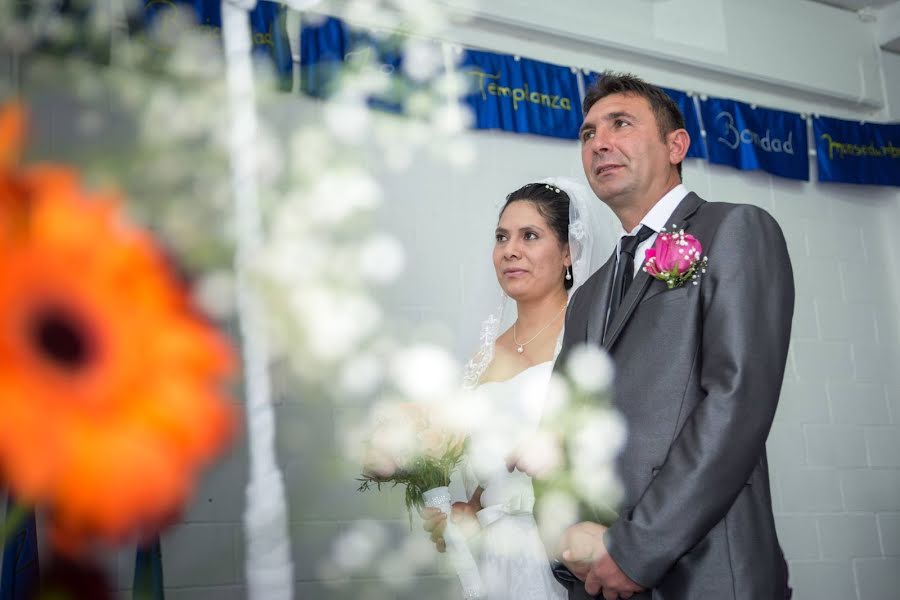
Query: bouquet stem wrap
457, 549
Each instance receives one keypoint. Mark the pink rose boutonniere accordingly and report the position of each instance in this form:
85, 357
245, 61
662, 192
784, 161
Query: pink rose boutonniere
675, 258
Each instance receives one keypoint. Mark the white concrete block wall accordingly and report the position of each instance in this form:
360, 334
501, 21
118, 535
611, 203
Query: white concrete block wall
834, 444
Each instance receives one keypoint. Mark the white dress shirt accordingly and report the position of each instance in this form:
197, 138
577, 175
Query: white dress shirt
656, 219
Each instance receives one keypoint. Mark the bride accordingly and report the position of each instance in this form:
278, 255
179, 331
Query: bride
544, 249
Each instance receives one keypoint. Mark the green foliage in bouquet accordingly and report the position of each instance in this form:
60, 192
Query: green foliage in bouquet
421, 475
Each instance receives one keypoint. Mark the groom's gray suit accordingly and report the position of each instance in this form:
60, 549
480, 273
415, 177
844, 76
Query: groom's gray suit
698, 374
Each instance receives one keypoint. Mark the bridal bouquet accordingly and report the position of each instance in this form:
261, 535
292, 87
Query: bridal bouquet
409, 446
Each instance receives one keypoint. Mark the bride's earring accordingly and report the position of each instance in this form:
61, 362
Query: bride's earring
568, 273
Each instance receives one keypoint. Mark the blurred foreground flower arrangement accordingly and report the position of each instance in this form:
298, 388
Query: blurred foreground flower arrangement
110, 380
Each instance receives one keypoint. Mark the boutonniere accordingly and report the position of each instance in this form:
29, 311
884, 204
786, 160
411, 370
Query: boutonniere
675, 258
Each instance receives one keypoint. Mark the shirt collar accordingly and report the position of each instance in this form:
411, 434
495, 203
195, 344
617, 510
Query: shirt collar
659, 215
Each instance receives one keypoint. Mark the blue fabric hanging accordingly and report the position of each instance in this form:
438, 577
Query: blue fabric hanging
686, 105
522, 95
749, 138
19, 578
854, 152
267, 24
148, 572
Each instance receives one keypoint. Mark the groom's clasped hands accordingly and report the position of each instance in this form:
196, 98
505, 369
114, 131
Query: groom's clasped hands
581, 547
583, 552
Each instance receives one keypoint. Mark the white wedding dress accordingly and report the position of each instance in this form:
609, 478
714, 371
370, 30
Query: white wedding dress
512, 561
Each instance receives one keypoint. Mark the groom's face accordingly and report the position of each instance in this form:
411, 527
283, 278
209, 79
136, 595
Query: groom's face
624, 157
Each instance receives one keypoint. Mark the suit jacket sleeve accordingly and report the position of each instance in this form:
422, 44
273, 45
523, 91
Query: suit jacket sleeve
748, 299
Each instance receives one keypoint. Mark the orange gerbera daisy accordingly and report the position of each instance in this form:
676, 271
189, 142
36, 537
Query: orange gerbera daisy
110, 383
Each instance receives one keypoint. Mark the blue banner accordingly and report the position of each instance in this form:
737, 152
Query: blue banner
19, 578
854, 152
750, 138
688, 109
329, 46
267, 24
147, 583
322, 51
686, 105
525, 96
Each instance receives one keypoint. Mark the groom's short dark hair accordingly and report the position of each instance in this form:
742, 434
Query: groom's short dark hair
668, 116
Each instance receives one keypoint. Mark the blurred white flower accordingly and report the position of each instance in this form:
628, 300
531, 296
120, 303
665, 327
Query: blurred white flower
304, 5
453, 84
338, 194
557, 399
312, 150
197, 55
488, 452
335, 322
599, 437
313, 19
362, 11
422, 59
540, 455
381, 258
296, 260
360, 375
419, 104
599, 487
358, 547
162, 108
554, 513
269, 158
400, 140
590, 368
393, 440
373, 78
424, 372
348, 117
452, 118
463, 411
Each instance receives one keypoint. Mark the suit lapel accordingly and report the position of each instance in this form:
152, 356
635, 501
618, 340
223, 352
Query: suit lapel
641, 282
600, 308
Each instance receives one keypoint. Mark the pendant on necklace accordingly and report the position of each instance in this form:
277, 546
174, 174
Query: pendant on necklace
520, 349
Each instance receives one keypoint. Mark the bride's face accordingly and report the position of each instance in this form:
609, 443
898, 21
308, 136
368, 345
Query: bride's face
529, 259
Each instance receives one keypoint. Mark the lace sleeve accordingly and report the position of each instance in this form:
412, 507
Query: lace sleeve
478, 364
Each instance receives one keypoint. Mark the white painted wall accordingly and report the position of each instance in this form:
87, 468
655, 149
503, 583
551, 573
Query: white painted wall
835, 446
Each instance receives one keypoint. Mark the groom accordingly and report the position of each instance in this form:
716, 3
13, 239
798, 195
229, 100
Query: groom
698, 370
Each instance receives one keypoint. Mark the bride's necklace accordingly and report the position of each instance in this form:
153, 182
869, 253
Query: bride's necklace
520, 347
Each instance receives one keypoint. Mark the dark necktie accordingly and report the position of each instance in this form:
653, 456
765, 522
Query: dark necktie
625, 269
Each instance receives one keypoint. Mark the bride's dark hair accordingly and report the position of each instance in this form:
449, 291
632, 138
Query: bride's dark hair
552, 203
